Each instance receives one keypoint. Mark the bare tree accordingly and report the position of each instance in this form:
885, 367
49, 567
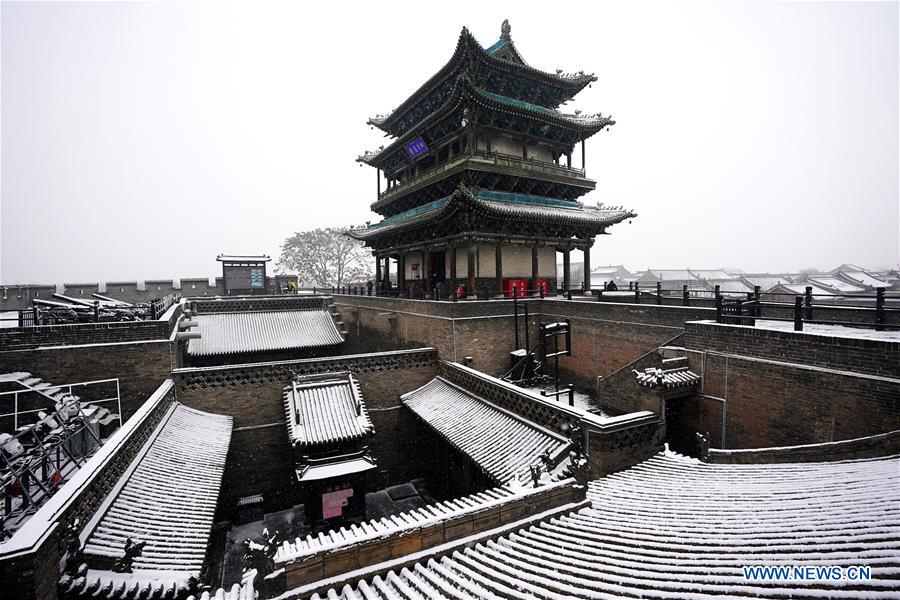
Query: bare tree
325, 257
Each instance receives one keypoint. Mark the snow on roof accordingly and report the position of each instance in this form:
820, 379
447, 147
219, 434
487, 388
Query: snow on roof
330, 470
836, 284
407, 521
669, 275
654, 377
324, 409
242, 258
502, 444
673, 527
233, 333
167, 497
799, 289
712, 274
864, 279
766, 280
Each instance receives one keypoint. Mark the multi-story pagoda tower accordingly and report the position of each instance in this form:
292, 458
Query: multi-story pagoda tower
480, 187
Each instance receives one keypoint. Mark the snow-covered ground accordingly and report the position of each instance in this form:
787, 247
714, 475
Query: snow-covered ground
832, 330
582, 400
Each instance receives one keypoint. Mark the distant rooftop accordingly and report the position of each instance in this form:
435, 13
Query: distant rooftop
243, 258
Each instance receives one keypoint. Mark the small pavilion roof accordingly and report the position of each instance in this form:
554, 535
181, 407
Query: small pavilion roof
242, 258
325, 409
240, 332
497, 203
502, 444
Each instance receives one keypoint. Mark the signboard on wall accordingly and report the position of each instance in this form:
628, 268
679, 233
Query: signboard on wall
239, 277
416, 148
333, 503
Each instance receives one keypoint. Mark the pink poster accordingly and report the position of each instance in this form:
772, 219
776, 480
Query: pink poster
333, 503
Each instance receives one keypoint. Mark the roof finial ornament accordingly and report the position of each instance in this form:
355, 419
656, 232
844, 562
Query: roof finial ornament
505, 29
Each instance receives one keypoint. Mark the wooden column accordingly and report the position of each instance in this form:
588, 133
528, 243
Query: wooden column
587, 268
470, 271
452, 250
498, 265
569, 160
378, 177
426, 268
583, 167
378, 272
534, 268
387, 272
401, 272
567, 270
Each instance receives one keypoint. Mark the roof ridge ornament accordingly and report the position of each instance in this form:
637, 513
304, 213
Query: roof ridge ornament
505, 28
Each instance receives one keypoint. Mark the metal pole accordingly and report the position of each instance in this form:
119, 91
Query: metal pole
798, 314
637, 293
807, 301
879, 309
119, 399
718, 308
659, 292
685, 298
516, 315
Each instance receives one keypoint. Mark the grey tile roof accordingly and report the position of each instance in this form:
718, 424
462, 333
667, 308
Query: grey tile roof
503, 445
168, 496
233, 333
666, 378
675, 528
325, 409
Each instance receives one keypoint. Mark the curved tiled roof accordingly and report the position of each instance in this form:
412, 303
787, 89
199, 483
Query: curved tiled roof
324, 409
468, 45
497, 203
501, 444
675, 528
233, 333
585, 125
168, 497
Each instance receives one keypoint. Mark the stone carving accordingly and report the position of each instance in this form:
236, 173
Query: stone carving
133, 550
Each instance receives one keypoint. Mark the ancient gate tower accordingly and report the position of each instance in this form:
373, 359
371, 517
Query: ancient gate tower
480, 189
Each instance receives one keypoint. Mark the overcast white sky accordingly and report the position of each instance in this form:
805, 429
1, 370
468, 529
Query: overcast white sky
139, 140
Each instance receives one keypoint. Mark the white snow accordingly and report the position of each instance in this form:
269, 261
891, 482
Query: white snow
832, 330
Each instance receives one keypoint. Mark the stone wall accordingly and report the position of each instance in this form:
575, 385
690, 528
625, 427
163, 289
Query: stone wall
260, 457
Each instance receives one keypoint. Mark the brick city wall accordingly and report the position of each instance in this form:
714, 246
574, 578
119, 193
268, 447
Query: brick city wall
605, 336
22, 338
875, 357
18, 297
771, 388
140, 366
260, 457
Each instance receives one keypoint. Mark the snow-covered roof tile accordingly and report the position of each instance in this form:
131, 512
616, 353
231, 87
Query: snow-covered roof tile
673, 527
503, 445
655, 377
324, 409
167, 498
234, 333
